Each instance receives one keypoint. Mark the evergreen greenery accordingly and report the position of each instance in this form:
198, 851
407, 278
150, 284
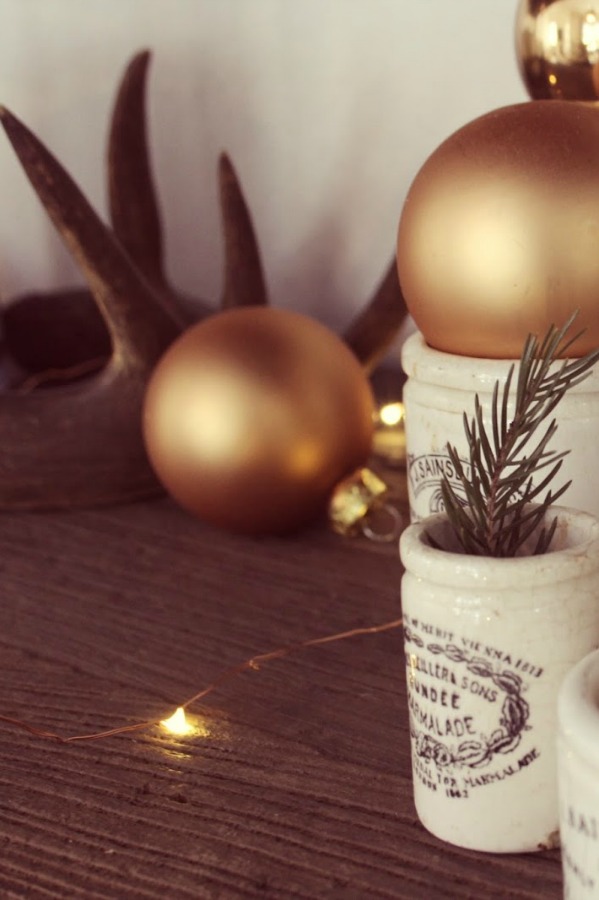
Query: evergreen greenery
506, 486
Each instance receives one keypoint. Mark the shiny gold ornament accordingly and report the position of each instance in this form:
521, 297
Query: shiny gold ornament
254, 415
353, 499
360, 505
499, 235
557, 47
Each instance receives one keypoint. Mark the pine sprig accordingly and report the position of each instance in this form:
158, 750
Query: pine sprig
507, 484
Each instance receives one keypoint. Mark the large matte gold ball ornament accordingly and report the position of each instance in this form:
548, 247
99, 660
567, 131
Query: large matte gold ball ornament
557, 47
499, 234
254, 415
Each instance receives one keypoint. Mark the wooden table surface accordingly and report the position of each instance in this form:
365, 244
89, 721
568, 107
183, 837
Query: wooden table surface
297, 781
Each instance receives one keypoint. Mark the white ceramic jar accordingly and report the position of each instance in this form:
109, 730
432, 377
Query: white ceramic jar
440, 388
487, 645
578, 778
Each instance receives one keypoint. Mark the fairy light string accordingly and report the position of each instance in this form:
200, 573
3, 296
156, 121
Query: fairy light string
253, 663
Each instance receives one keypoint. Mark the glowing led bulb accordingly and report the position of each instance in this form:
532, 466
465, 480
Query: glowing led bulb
177, 723
391, 413
389, 439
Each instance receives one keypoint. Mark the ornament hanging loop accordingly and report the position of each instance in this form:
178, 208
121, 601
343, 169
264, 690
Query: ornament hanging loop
383, 524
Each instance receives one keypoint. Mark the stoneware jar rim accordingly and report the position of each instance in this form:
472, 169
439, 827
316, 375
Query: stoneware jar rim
430, 366
576, 553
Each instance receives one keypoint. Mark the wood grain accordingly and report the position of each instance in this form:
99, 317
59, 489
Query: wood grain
299, 785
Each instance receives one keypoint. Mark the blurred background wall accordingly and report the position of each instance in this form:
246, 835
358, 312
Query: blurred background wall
327, 108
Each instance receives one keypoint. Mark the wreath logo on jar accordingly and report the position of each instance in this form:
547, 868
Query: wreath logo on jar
513, 719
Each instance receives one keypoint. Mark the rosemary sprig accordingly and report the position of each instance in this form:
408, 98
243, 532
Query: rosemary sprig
497, 517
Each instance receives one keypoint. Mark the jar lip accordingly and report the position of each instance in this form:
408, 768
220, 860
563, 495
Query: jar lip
578, 708
425, 364
576, 552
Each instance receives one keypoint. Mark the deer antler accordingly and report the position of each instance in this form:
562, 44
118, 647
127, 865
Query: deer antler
132, 199
80, 443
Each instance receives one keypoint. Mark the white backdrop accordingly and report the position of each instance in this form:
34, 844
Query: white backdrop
327, 108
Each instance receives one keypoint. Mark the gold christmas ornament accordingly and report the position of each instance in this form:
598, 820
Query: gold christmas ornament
499, 234
254, 415
359, 505
557, 47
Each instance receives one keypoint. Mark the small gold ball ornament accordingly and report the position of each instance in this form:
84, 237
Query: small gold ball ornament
254, 415
499, 234
557, 48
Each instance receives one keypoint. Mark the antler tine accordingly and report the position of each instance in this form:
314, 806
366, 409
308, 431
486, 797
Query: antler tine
132, 199
134, 209
81, 443
372, 332
244, 280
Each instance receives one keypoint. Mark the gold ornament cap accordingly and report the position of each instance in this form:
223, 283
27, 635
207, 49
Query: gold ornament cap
354, 503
